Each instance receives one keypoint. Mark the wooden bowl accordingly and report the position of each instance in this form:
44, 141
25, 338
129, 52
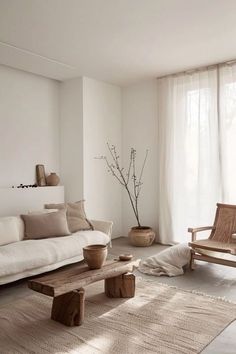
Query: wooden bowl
95, 255
125, 257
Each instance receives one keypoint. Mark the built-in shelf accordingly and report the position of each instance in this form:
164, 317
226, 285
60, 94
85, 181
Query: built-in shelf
45, 187
15, 201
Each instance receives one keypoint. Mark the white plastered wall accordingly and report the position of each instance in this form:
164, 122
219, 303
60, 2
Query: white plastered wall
90, 113
71, 137
90, 117
140, 132
102, 124
29, 126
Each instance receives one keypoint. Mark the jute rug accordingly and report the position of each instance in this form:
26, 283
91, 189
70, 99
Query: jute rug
160, 319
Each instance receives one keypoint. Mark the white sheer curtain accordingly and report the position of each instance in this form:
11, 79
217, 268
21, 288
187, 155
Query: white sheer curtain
227, 104
189, 165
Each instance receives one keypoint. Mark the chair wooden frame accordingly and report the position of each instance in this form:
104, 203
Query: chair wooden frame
220, 240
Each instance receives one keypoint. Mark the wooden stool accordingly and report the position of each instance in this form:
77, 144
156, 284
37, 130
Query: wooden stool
66, 286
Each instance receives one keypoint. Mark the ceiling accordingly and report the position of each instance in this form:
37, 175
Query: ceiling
117, 41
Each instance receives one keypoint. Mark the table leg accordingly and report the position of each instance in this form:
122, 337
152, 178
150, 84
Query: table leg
68, 308
121, 286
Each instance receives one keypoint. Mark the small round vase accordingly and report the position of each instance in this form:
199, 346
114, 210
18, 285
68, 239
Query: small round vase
95, 255
141, 236
52, 179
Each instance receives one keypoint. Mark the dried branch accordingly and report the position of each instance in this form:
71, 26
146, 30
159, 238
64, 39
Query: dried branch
130, 162
141, 174
118, 172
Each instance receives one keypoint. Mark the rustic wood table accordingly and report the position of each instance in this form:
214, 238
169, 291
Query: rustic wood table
66, 286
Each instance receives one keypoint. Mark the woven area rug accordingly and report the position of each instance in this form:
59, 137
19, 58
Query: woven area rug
160, 319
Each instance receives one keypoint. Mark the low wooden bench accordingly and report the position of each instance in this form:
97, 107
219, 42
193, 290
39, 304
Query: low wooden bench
66, 286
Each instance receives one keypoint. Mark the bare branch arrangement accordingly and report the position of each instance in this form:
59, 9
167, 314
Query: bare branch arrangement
128, 179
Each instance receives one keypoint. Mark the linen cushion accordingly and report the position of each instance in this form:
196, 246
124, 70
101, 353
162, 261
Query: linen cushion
32, 257
20, 227
46, 225
76, 216
42, 211
9, 231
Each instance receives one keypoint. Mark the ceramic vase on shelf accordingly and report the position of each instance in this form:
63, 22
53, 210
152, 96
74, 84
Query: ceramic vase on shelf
141, 236
52, 179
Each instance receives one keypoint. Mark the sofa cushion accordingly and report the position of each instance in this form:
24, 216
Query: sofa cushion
42, 211
27, 255
76, 215
8, 230
46, 225
20, 226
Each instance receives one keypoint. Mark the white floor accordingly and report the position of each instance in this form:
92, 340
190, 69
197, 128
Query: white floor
211, 279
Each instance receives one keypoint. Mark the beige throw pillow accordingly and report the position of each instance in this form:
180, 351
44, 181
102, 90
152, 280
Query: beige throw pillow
42, 211
46, 225
76, 216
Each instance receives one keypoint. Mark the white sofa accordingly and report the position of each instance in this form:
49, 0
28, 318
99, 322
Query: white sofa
26, 258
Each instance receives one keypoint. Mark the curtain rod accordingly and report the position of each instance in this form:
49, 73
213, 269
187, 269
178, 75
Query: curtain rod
201, 68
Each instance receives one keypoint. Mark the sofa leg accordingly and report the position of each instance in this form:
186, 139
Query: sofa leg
68, 309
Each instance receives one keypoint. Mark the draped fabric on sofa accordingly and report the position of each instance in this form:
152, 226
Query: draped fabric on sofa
197, 148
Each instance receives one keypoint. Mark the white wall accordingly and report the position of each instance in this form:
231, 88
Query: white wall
29, 129
71, 136
91, 114
101, 124
140, 132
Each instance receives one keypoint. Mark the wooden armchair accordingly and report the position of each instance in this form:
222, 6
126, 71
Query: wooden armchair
222, 237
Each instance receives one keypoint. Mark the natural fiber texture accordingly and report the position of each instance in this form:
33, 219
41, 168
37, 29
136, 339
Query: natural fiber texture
214, 246
159, 319
221, 239
225, 223
76, 216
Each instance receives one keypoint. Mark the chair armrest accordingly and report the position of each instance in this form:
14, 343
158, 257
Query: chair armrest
199, 229
103, 226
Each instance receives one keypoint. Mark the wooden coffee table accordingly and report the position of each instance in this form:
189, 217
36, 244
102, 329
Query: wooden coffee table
66, 286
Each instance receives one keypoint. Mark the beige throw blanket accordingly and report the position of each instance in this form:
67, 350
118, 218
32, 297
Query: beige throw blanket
169, 262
